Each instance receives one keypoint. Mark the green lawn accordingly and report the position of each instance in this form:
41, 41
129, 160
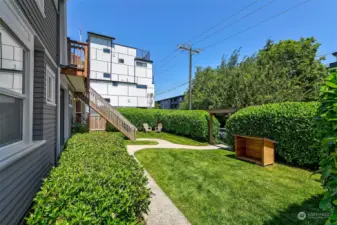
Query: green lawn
172, 138
212, 187
144, 142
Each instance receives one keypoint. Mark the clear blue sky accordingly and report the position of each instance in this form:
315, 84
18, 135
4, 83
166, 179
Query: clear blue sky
159, 26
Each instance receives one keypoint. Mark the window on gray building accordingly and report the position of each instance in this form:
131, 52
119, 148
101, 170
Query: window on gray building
11, 88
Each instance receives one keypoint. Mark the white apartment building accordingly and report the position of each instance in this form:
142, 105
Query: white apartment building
121, 74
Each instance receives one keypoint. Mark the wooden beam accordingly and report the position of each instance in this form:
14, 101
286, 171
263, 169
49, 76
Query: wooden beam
222, 111
210, 129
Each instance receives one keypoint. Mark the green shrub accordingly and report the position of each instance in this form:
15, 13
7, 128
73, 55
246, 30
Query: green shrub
182, 122
110, 128
79, 128
97, 182
291, 124
328, 135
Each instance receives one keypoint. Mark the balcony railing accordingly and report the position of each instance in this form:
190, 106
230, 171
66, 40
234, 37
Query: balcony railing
77, 58
143, 54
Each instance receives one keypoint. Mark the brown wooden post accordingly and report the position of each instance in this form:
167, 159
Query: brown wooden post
211, 128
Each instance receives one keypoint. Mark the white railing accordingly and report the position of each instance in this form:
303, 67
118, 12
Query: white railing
104, 109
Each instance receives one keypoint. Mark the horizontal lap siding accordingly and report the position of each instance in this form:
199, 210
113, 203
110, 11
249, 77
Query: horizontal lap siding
45, 28
20, 182
39, 94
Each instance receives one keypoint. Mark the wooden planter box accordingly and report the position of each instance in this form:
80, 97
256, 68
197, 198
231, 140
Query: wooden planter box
254, 149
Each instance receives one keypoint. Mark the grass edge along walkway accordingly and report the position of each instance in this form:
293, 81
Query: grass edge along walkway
176, 139
212, 187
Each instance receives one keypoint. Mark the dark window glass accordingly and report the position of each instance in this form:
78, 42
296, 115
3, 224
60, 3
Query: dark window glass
106, 50
107, 100
142, 64
121, 60
141, 86
10, 120
115, 84
107, 75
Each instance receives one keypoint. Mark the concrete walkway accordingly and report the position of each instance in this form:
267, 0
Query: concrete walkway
162, 210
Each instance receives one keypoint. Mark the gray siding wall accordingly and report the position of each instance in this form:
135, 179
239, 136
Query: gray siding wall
21, 180
45, 28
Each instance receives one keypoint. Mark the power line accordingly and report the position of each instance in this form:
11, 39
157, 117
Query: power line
172, 89
211, 28
236, 21
222, 21
175, 56
180, 85
161, 61
258, 24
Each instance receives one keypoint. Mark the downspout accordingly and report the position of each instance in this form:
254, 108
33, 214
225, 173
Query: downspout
57, 147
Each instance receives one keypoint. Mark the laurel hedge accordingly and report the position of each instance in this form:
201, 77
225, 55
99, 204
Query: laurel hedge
96, 182
188, 123
291, 124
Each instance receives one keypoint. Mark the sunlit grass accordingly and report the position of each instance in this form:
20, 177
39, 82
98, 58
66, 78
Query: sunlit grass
213, 187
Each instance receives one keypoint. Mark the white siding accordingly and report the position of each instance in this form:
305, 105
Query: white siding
99, 66
134, 91
121, 88
128, 101
103, 56
144, 81
100, 87
140, 71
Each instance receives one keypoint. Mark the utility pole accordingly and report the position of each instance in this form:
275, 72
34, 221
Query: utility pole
191, 51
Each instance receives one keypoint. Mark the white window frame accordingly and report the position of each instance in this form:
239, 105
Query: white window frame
40, 4
50, 76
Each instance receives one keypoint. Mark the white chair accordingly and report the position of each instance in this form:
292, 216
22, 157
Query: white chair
147, 128
159, 128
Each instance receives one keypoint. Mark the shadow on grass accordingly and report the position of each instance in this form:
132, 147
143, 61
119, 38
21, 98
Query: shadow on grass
313, 214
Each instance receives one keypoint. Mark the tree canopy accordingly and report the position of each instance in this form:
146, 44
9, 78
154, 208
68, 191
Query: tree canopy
285, 71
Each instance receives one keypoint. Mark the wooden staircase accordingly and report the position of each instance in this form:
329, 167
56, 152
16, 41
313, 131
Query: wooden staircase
110, 114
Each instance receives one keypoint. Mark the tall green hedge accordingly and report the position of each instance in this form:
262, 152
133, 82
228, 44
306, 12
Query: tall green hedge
182, 122
291, 124
97, 182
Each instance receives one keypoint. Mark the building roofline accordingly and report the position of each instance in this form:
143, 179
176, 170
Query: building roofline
101, 35
169, 98
144, 60
125, 46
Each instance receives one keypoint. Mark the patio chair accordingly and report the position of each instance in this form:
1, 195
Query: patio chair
146, 127
159, 127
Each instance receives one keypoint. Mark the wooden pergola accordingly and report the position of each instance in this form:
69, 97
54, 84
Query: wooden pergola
212, 112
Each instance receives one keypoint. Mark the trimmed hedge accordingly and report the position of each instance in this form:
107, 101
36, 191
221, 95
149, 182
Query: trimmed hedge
97, 182
291, 124
182, 122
